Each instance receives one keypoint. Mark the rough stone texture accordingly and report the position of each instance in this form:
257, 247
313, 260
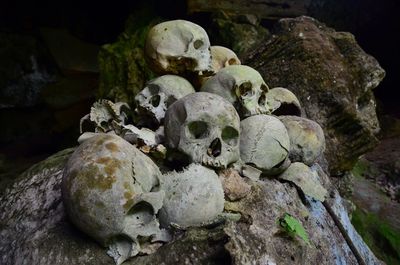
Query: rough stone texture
239, 33
332, 77
235, 187
35, 230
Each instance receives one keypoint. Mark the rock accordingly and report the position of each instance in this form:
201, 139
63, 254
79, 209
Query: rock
26, 67
35, 229
239, 33
333, 79
235, 188
123, 71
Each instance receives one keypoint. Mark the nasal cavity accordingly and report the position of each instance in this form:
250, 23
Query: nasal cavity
215, 148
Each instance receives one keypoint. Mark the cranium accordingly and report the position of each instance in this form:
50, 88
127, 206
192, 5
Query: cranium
264, 143
176, 47
242, 86
192, 197
157, 96
107, 190
222, 57
283, 102
307, 140
205, 127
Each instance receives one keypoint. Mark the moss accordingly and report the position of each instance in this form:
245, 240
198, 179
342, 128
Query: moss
123, 70
383, 239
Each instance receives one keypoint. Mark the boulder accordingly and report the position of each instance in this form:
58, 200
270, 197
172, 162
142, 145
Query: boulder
333, 79
35, 228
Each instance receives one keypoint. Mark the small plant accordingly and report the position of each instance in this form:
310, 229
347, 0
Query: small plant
293, 227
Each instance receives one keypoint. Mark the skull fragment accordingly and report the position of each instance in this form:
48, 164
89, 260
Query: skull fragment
177, 47
107, 190
157, 96
241, 85
205, 127
264, 143
193, 197
307, 140
283, 102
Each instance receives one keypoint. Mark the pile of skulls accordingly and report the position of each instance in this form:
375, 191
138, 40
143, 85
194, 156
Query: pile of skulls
184, 152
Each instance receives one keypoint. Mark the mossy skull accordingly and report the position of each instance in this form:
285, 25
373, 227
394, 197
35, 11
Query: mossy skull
107, 191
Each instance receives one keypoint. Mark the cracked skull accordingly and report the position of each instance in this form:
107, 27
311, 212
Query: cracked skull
264, 143
205, 127
107, 190
178, 46
193, 197
241, 85
157, 96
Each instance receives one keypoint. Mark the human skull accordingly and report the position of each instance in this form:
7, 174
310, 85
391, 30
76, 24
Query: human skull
193, 197
107, 191
242, 86
264, 143
283, 102
222, 57
205, 127
157, 96
176, 47
307, 140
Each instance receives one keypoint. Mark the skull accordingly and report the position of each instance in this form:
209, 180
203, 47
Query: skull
283, 102
107, 190
157, 96
178, 46
242, 86
264, 143
306, 137
220, 58
193, 197
205, 127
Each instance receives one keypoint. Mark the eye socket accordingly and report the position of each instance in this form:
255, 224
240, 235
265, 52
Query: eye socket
198, 129
264, 88
245, 89
262, 99
232, 61
230, 135
197, 44
155, 100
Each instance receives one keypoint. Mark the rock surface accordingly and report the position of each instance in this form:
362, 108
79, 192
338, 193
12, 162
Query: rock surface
35, 229
333, 79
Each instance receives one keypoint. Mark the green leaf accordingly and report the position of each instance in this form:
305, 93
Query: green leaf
293, 227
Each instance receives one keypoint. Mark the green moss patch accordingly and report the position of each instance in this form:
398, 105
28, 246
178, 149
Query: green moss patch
383, 240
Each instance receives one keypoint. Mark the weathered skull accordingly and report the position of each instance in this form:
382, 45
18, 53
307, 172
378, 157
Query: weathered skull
205, 127
178, 46
264, 143
283, 102
157, 96
193, 197
107, 191
307, 140
242, 86
222, 57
